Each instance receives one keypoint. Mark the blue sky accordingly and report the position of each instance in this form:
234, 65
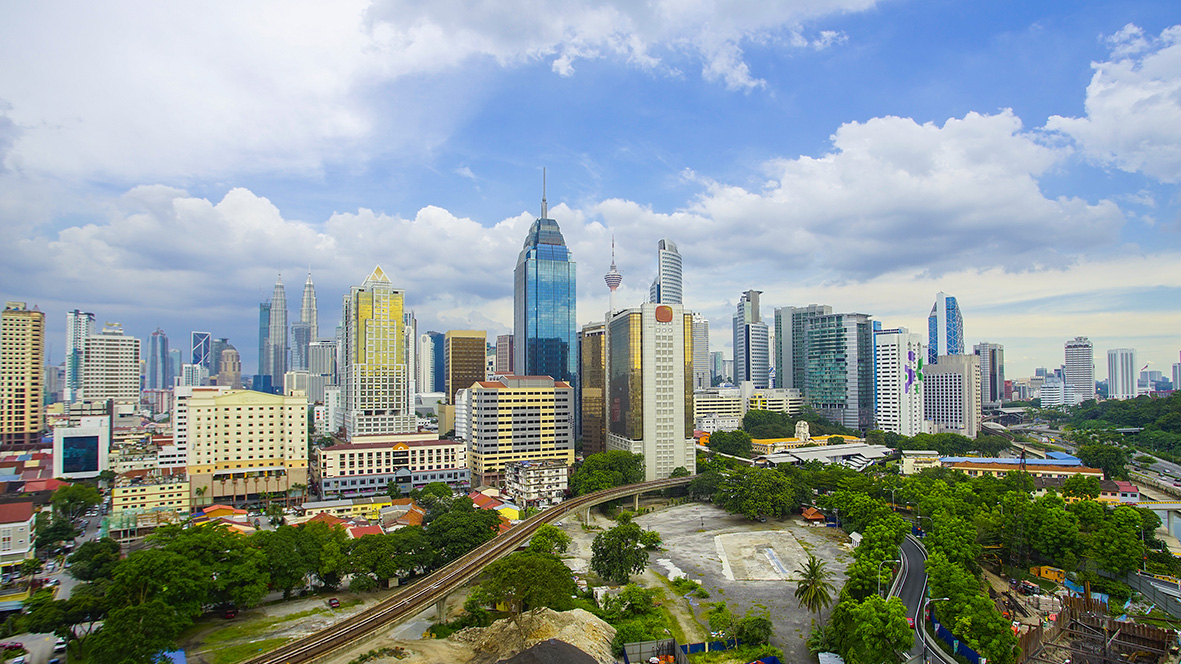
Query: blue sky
160, 165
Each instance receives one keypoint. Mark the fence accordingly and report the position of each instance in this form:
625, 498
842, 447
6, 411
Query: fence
640, 651
710, 646
1162, 599
957, 647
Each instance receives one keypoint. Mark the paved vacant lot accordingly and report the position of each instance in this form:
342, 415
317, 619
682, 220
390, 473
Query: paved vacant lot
745, 563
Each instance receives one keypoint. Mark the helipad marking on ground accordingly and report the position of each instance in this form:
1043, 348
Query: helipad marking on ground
770, 553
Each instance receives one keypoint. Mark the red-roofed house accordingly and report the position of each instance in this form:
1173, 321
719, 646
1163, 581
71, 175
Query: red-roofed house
325, 517
813, 514
357, 532
1128, 492
16, 534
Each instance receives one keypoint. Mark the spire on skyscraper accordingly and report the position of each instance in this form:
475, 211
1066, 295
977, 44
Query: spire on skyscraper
613, 277
544, 205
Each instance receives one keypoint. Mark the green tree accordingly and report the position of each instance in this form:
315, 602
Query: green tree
617, 553
874, 631
94, 560
705, 485
71, 500
393, 490
528, 580
680, 471
606, 470
138, 633
550, 539
1081, 486
1116, 546
814, 591
734, 443
755, 628
289, 562
757, 493
58, 530
721, 620
239, 571
460, 530
1110, 458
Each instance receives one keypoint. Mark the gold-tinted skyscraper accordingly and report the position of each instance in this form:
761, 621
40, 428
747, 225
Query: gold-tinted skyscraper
22, 354
465, 354
375, 371
592, 362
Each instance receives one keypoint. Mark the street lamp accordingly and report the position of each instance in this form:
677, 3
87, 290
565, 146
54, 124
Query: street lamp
880, 572
926, 648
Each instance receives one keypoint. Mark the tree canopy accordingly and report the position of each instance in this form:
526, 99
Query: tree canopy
606, 470
618, 553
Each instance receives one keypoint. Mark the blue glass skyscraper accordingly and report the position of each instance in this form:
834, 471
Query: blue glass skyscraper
945, 328
544, 324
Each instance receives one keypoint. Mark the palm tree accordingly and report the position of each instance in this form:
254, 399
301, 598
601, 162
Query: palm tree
299, 488
812, 587
30, 567
200, 495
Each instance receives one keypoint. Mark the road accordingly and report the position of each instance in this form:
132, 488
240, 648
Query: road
913, 588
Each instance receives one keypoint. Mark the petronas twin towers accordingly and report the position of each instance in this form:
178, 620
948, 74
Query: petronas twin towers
276, 355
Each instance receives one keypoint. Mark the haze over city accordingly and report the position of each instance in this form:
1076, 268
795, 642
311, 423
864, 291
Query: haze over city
1023, 157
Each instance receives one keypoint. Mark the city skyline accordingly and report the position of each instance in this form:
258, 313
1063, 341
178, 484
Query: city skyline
1001, 162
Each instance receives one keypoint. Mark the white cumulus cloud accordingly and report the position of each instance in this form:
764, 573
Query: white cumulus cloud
1133, 106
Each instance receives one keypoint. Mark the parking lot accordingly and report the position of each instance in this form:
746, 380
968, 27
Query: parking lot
741, 562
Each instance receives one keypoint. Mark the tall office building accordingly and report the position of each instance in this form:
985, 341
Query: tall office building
110, 367
375, 371
230, 368
464, 354
544, 307
175, 361
410, 346
992, 374
426, 363
951, 395
649, 387
791, 327
840, 356
79, 325
215, 349
1080, 368
592, 363
899, 356
945, 328
717, 365
438, 363
1177, 374
701, 373
1122, 373
201, 345
504, 354
156, 367
321, 368
22, 378
264, 353
278, 340
751, 361
307, 329
666, 287
517, 418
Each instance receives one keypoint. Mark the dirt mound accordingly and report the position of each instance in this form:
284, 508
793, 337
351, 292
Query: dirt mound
503, 638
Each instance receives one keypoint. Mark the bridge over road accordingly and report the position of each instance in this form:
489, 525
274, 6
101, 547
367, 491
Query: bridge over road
413, 599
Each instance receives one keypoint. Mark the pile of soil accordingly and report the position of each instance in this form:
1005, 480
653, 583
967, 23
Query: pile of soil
503, 638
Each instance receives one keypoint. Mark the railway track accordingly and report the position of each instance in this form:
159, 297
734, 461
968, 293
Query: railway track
414, 598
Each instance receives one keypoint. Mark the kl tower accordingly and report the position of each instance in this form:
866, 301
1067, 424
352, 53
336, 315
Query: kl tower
613, 279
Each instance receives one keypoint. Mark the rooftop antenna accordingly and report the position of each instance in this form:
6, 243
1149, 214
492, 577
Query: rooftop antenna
544, 205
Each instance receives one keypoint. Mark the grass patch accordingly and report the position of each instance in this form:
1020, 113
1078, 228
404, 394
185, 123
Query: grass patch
253, 628
243, 651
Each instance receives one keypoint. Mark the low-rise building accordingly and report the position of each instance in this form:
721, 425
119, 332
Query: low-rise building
1110, 491
916, 461
996, 468
857, 456
535, 483
142, 492
349, 508
773, 445
368, 464
16, 534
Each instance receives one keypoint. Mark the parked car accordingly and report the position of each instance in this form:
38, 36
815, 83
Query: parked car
230, 612
59, 646
334, 603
